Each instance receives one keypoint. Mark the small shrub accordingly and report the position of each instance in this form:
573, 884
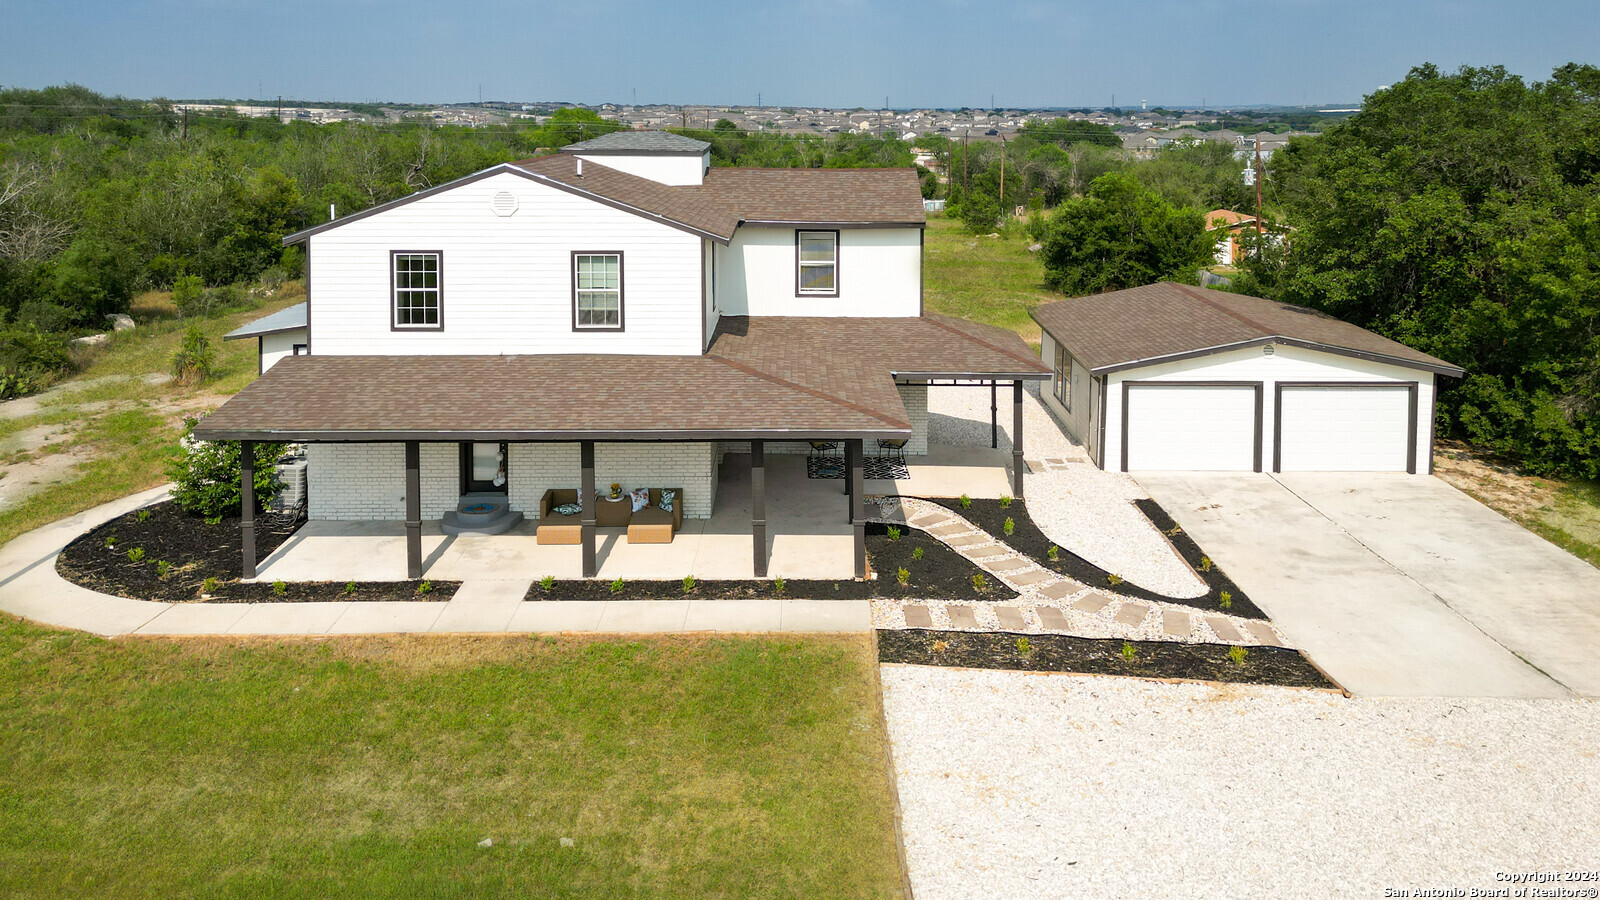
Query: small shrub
280, 588
1113, 580
965, 501
206, 475
1238, 655
1225, 599
778, 584
1205, 563
916, 553
1009, 526
163, 569
1005, 502
939, 646
688, 583
143, 515
425, 588
894, 533
189, 295
111, 542
616, 586
547, 582
979, 583
349, 588
1024, 646
209, 586
1054, 553
136, 555
1174, 531
196, 361
1129, 651
903, 575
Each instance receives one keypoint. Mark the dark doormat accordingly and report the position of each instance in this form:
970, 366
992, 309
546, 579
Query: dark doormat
883, 468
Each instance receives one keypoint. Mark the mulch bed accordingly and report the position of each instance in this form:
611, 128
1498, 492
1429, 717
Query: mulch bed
1098, 656
196, 551
1027, 539
941, 573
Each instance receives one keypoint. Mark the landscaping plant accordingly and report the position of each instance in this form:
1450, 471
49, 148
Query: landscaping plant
616, 586
916, 553
280, 588
349, 588
894, 533
547, 582
688, 583
903, 575
778, 585
965, 501
1054, 553
1129, 651
1005, 502
425, 588
1225, 599
136, 555
1237, 654
205, 475
979, 582
1205, 563
1009, 527
1024, 646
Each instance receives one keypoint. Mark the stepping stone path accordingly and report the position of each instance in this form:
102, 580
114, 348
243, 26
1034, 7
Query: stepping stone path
1175, 623
1264, 633
1132, 613
1051, 618
918, 617
1092, 603
1008, 565
1010, 618
1224, 630
962, 616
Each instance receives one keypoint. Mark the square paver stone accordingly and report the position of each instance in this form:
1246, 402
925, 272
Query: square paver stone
1033, 577
1224, 630
1010, 618
962, 616
1132, 613
918, 617
1051, 618
928, 520
1057, 589
949, 529
1175, 623
1264, 633
984, 552
1009, 565
1092, 603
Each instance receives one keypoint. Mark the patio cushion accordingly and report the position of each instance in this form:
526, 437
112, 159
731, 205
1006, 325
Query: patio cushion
568, 509
640, 498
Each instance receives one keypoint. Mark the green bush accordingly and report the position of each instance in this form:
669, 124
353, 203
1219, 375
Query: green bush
29, 360
188, 295
979, 213
42, 315
195, 360
205, 475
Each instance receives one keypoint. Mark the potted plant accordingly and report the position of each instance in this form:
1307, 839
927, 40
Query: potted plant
616, 491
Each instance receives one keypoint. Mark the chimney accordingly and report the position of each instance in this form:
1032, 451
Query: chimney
580, 167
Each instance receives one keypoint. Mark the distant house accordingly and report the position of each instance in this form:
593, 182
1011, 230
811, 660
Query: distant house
1229, 249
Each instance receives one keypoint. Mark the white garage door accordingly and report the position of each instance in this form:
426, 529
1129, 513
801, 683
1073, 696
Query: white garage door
1344, 429
1191, 427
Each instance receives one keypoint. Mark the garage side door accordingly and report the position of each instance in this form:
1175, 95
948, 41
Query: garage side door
1344, 429
1191, 427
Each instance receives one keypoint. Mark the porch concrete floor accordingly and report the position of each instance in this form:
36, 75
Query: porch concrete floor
807, 534
949, 471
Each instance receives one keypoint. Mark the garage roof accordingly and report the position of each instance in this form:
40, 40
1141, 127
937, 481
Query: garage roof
1161, 322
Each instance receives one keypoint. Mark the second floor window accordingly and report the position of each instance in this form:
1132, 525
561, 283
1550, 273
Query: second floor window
597, 291
416, 290
817, 263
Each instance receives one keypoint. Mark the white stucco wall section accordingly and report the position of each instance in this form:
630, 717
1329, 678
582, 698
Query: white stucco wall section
680, 169
879, 274
276, 346
1286, 364
507, 280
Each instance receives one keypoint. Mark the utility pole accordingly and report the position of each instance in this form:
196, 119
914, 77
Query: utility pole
185, 135
1002, 176
280, 109
964, 158
1258, 187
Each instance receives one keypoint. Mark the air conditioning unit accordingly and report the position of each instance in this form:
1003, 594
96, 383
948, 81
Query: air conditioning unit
292, 472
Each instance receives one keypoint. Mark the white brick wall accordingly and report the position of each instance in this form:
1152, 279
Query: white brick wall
915, 397
367, 481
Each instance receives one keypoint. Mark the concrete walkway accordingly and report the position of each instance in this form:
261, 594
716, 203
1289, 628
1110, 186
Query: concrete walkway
31, 588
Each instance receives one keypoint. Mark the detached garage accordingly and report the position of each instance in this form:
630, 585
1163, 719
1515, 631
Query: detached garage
1173, 377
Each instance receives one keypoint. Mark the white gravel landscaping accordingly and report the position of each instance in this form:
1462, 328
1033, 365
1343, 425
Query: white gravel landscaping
1083, 509
1024, 785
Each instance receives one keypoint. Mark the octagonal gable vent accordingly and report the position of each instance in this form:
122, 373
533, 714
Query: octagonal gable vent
504, 203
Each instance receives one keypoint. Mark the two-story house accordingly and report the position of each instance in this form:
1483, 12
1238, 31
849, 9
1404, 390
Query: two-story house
618, 312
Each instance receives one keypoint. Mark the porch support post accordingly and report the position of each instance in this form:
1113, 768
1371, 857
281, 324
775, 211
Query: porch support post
413, 509
994, 415
758, 505
587, 501
858, 513
247, 505
1016, 439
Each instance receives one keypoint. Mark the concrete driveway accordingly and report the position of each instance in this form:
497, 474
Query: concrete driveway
1399, 585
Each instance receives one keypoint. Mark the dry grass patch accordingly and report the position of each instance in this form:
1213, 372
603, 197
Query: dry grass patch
678, 766
1565, 513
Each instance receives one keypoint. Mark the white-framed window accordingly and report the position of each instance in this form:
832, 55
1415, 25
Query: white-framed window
597, 291
1064, 377
417, 294
816, 256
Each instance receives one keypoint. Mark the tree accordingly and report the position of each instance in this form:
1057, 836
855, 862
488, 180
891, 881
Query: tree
1072, 131
979, 212
93, 280
1122, 235
1460, 214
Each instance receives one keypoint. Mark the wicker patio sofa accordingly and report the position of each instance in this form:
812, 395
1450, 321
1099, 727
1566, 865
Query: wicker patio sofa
654, 525
651, 525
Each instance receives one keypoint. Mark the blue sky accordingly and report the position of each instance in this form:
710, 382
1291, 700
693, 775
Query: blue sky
801, 52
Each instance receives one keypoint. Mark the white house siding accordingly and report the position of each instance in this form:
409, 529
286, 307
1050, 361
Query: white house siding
507, 280
708, 300
276, 346
536, 468
880, 274
1287, 364
665, 169
1077, 419
366, 482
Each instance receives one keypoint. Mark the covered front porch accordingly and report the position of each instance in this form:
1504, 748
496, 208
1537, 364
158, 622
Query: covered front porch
808, 532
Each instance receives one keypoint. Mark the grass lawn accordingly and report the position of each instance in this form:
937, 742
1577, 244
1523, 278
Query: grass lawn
679, 767
985, 279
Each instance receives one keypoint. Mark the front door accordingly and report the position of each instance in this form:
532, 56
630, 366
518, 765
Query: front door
483, 468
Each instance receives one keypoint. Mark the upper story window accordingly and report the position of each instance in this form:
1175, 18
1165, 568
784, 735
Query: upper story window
416, 290
1064, 376
816, 263
597, 291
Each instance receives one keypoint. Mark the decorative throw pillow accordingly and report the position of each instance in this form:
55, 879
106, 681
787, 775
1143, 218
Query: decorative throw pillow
567, 509
667, 497
640, 498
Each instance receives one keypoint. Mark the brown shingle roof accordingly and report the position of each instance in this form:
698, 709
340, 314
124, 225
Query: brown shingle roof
777, 378
1115, 330
702, 212
868, 196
